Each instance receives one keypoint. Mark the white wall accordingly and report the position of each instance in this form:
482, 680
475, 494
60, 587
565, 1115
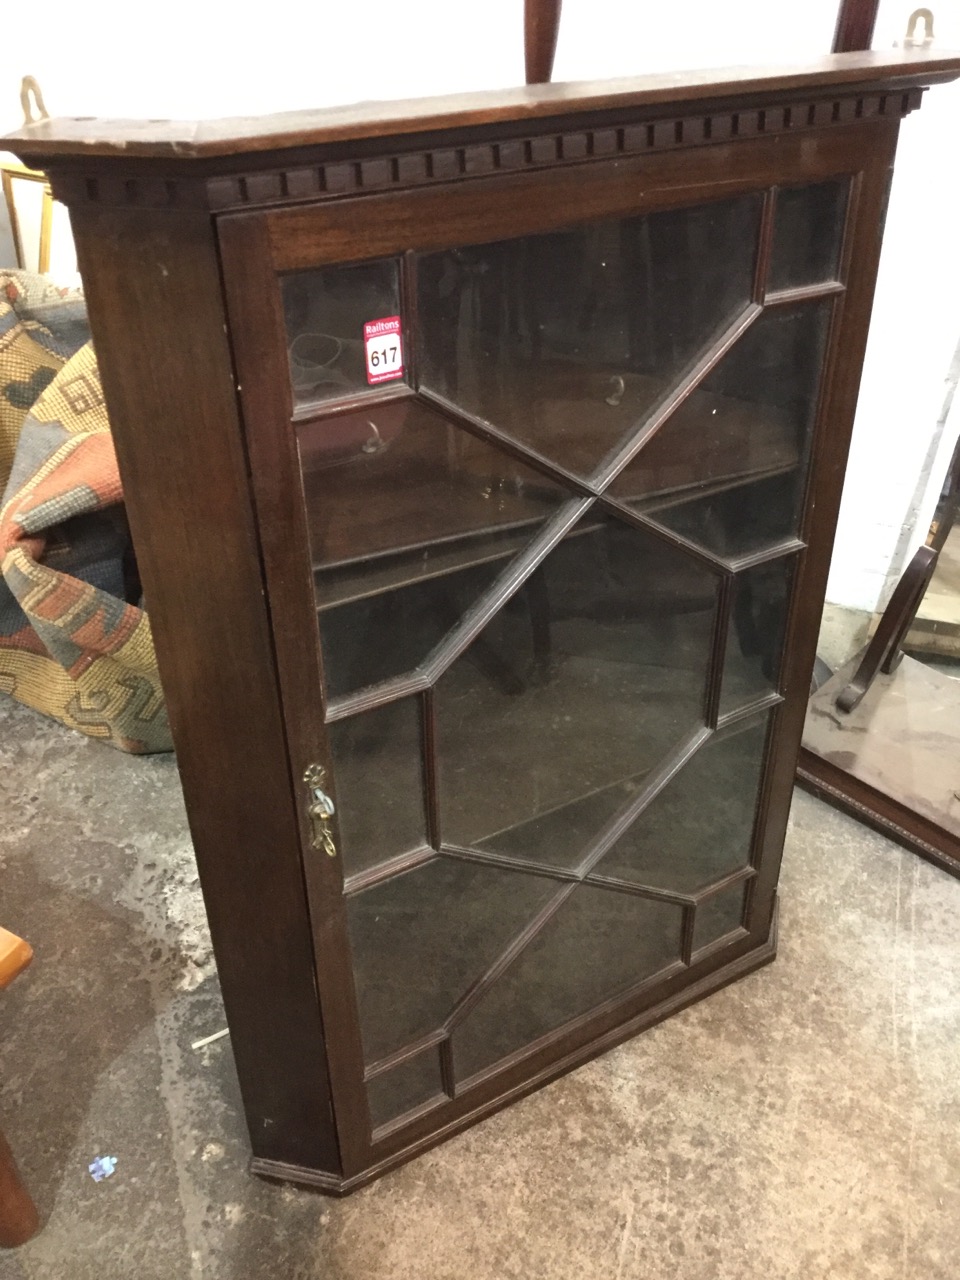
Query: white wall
190, 58
900, 454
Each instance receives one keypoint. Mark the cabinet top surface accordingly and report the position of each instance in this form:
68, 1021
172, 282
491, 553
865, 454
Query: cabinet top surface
195, 140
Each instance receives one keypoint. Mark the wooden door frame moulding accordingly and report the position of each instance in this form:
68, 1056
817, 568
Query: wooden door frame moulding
619, 186
260, 355
839, 394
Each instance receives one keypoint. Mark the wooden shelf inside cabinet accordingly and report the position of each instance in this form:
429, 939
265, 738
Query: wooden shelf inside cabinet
495, 450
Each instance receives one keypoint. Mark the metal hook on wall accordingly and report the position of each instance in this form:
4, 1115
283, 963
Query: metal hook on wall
30, 85
911, 40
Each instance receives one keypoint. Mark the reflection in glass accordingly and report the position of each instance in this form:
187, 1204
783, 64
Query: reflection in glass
699, 828
420, 939
718, 916
758, 616
573, 692
378, 778
325, 312
405, 1087
598, 945
410, 520
560, 836
808, 233
728, 469
566, 340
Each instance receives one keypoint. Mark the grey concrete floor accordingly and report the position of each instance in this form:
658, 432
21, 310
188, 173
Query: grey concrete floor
802, 1123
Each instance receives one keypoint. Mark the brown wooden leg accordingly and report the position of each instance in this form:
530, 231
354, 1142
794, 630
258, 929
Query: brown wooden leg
541, 27
855, 22
18, 1214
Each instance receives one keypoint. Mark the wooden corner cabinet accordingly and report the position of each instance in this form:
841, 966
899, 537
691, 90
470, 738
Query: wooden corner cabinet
483, 458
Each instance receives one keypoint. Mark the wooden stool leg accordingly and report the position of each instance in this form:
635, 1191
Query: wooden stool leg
18, 1214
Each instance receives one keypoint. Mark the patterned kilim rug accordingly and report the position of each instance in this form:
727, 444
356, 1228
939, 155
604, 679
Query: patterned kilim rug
72, 644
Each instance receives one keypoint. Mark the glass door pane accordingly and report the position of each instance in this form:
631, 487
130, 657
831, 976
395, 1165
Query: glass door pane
553, 560
565, 341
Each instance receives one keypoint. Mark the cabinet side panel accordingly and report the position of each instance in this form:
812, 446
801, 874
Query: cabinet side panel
154, 295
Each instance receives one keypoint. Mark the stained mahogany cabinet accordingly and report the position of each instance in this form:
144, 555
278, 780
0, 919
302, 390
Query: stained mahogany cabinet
483, 459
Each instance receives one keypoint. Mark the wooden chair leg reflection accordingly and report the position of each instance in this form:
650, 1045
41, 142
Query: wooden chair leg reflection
18, 1214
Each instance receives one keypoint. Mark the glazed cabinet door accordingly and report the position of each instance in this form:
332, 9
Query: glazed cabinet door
533, 462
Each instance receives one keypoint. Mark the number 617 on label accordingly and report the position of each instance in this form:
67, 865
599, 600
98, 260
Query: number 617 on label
383, 345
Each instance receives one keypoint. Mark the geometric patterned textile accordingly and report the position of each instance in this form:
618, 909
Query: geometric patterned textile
41, 326
72, 645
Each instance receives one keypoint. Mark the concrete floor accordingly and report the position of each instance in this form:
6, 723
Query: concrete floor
803, 1123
